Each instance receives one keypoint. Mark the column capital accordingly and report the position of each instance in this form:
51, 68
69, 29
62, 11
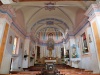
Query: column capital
6, 17
93, 11
8, 9
7, 12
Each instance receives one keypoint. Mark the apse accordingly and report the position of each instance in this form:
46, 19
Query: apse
50, 33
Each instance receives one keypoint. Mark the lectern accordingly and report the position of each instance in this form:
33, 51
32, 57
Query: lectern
50, 66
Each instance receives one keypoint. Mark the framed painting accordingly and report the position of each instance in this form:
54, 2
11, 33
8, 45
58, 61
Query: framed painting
84, 44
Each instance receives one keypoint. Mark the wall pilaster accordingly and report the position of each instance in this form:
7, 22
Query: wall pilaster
26, 52
94, 18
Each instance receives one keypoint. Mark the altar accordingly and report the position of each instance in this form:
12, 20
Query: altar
50, 47
50, 60
46, 61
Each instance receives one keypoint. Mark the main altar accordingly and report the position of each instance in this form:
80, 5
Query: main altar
50, 60
50, 47
49, 54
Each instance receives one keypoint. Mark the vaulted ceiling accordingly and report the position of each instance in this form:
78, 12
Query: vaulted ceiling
39, 14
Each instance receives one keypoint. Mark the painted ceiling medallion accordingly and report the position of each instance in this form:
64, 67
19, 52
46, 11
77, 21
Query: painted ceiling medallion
49, 22
50, 6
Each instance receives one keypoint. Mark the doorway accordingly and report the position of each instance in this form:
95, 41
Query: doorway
62, 52
38, 52
11, 64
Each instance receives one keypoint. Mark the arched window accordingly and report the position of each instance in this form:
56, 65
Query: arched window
15, 45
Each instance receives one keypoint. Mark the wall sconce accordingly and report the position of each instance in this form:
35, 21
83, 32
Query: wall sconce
25, 55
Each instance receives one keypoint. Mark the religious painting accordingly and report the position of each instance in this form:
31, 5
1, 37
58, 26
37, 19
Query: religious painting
74, 51
84, 44
50, 44
10, 40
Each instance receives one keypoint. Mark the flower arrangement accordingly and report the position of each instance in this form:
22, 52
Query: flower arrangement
74, 55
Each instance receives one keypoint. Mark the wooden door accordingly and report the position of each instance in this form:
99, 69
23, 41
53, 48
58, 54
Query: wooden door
38, 52
62, 52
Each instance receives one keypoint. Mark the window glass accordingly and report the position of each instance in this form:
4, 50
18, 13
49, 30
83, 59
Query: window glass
15, 46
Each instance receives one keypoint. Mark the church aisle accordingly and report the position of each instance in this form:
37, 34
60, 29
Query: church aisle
62, 69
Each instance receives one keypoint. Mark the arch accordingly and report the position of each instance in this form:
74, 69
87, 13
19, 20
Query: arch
60, 30
52, 19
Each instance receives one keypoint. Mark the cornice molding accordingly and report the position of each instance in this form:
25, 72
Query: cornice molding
93, 11
6, 16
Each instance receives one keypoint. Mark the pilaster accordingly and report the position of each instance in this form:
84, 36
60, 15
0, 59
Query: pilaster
26, 52
94, 18
5, 23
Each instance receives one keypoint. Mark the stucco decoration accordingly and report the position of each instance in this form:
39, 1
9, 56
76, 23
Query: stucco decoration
8, 9
7, 12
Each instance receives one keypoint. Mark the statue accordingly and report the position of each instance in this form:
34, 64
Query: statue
50, 53
74, 51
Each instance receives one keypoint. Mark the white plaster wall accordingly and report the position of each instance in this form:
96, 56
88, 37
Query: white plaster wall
89, 62
59, 51
26, 47
20, 54
2, 27
93, 58
98, 26
15, 64
18, 58
68, 45
5, 66
31, 63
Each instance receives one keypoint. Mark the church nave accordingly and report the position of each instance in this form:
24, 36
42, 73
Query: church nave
50, 37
